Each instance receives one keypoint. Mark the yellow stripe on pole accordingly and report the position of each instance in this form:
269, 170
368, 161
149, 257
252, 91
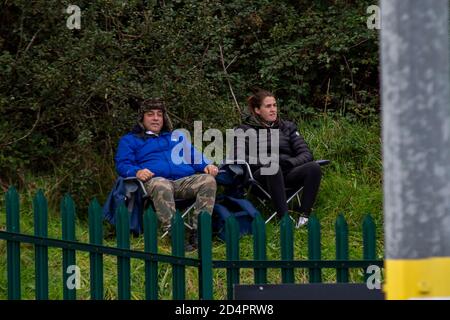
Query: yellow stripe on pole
418, 278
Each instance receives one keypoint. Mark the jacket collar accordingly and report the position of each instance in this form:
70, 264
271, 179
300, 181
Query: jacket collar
139, 131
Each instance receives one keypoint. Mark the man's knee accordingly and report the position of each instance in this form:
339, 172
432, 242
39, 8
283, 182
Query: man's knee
159, 185
161, 192
210, 181
160, 182
206, 181
206, 193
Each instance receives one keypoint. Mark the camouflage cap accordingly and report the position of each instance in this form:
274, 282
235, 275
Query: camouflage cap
155, 104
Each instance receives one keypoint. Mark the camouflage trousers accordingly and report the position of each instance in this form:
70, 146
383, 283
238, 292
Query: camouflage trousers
163, 193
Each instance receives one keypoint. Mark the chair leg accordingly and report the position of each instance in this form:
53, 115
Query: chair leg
298, 199
288, 200
262, 202
271, 217
186, 212
274, 214
165, 234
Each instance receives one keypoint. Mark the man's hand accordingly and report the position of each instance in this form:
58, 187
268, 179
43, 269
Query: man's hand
212, 170
144, 174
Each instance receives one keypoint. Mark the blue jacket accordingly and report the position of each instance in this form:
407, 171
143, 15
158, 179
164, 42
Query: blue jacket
138, 150
123, 191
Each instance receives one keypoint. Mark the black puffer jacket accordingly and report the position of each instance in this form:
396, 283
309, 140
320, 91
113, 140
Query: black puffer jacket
293, 150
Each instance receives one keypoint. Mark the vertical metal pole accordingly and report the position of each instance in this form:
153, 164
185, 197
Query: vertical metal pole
41, 250
151, 245
232, 252
341, 228
259, 248
287, 248
178, 271
13, 247
205, 256
416, 147
69, 256
96, 259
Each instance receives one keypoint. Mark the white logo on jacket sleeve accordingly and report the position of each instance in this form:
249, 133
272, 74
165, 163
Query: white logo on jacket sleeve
296, 132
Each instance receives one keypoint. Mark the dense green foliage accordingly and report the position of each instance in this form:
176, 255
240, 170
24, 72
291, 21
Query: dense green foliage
66, 95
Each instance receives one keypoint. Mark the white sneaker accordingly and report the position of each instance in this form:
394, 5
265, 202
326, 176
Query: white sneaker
301, 221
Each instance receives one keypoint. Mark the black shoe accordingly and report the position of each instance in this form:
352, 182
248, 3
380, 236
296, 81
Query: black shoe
192, 243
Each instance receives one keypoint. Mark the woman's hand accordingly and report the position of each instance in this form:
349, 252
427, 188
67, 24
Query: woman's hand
286, 164
212, 170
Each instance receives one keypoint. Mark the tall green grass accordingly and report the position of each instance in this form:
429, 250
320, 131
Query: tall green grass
351, 185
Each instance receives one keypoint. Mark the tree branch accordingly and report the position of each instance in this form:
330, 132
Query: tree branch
31, 42
228, 79
29, 132
172, 115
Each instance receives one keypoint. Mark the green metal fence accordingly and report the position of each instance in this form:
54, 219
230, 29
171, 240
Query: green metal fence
204, 263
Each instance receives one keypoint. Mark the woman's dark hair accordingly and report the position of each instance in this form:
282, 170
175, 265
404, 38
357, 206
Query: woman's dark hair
256, 99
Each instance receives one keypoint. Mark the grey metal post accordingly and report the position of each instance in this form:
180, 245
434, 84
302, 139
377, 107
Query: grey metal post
416, 132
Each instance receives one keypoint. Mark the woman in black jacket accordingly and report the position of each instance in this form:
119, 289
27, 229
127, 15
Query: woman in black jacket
296, 165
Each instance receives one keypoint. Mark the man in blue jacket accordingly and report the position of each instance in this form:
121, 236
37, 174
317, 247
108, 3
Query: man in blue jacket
146, 153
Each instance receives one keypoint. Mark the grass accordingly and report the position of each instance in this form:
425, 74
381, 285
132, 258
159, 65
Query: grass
351, 185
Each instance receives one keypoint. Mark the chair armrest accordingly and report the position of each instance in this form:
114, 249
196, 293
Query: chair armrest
243, 163
139, 184
322, 162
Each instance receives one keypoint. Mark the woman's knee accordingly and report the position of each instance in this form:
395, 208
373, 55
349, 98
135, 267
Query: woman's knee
314, 169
